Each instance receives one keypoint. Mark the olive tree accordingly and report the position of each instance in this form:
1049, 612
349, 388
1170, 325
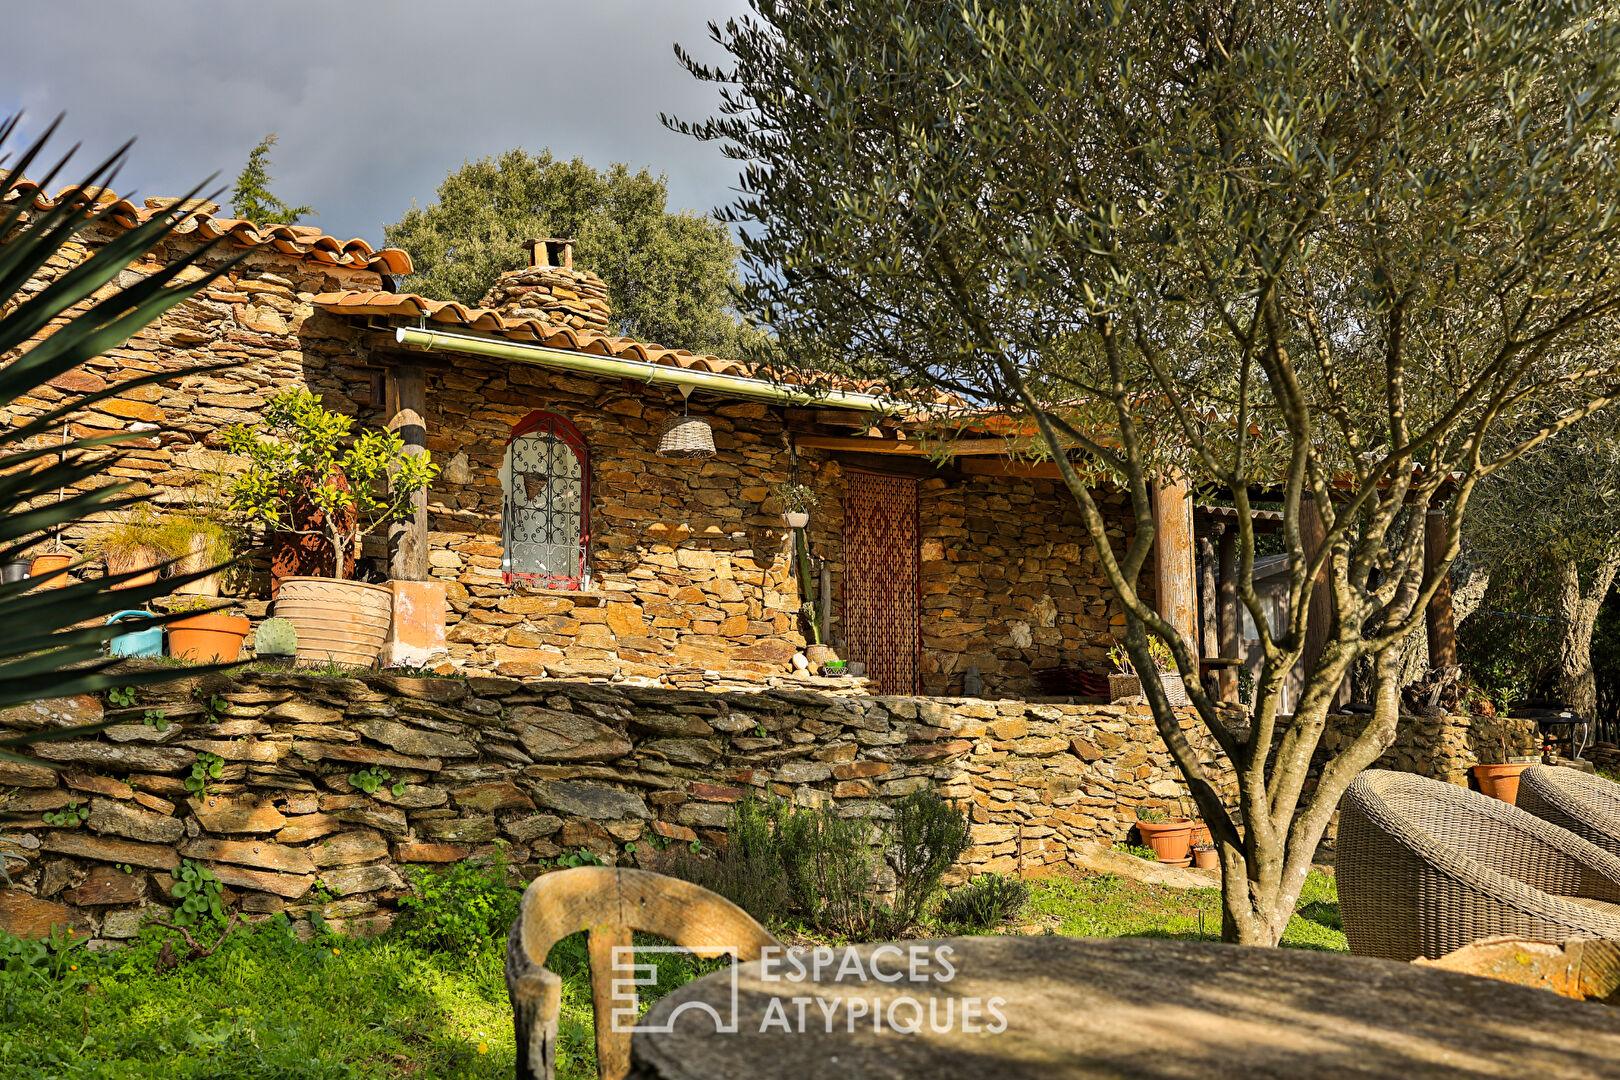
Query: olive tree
1315, 250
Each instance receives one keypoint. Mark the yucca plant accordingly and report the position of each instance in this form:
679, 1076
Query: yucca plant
51, 640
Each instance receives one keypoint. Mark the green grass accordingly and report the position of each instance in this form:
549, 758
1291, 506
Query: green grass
1108, 906
268, 1007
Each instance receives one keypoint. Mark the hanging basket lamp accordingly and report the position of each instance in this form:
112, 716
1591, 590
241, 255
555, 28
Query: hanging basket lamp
686, 436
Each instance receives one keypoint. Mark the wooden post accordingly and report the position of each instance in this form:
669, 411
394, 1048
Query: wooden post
1208, 630
1231, 624
1437, 616
1173, 561
408, 538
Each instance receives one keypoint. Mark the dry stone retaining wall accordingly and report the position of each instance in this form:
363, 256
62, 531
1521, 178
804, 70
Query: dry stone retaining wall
544, 767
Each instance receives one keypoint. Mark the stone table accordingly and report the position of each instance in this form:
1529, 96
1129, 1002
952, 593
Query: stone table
1047, 1007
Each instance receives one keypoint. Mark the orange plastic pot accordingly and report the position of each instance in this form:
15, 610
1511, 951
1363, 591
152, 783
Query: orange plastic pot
1206, 858
1170, 840
44, 565
209, 638
1501, 781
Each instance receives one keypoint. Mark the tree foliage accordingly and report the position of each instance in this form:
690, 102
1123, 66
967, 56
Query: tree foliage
1321, 249
299, 447
669, 273
251, 197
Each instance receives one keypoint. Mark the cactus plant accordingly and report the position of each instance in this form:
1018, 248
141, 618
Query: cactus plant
275, 637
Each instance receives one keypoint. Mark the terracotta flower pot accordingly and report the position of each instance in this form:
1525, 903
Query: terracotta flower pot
1170, 840
339, 622
1501, 781
44, 565
1206, 858
819, 654
209, 638
1200, 833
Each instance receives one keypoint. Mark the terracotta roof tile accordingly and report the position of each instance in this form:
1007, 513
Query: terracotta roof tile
300, 241
487, 320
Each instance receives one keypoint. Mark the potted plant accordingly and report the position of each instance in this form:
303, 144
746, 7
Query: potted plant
296, 455
1125, 682
206, 637
1500, 780
797, 501
1205, 858
129, 545
1169, 837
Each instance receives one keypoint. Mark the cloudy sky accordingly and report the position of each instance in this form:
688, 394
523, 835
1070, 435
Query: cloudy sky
373, 101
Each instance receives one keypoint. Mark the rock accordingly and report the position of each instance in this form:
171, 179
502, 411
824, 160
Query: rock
88, 845
126, 757
121, 819
693, 752
57, 712
120, 925
803, 772
674, 832
429, 853
480, 830
375, 815
349, 849
305, 712
22, 774
364, 755
528, 828
414, 797
593, 801
415, 741
239, 749
220, 814
440, 691
289, 885
260, 853
560, 736
101, 785
107, 885
490, 797
30, 917
353, 880
307, 827
705, 815
1105, 860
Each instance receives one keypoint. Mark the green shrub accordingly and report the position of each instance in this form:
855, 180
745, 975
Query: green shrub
458, 908
926, 836
985, 902
783, 862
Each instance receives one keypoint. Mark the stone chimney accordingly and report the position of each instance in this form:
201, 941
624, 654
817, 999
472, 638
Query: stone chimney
551, 290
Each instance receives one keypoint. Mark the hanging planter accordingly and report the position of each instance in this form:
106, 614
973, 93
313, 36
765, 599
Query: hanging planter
686, 436
797, 501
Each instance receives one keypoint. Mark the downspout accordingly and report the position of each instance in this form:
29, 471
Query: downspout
641, 370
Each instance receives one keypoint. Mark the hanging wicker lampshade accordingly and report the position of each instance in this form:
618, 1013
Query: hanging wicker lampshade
686, 436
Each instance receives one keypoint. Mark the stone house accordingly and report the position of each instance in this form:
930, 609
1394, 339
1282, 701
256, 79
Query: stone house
563, 544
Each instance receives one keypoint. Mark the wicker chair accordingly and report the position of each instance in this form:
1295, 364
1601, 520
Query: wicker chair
1586, 805
1425, 867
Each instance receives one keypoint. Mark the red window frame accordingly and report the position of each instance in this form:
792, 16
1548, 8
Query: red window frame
570, 436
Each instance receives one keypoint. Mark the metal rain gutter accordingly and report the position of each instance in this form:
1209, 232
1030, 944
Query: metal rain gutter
655, 374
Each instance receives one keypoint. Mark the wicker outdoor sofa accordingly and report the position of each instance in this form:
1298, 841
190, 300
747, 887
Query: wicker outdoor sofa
1426, 867
1586, 805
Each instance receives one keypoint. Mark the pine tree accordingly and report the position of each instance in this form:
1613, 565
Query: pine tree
251, 197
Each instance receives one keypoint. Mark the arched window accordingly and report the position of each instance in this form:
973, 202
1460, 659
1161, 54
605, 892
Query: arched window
545, 523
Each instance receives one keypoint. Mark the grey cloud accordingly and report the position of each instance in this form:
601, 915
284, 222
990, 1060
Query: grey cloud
373, 102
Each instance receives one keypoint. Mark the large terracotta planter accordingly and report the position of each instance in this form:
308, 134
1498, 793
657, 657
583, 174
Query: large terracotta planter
1501, 781
1170, 840
44, 565
209, 638
339, 622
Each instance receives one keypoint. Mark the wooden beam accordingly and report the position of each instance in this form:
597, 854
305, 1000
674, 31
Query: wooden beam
878, 444
1038, 470
407, 405
1437, 616
1231, 625
1173, 561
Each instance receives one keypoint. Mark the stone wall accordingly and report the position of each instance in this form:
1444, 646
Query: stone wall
1441, 747
689, 559
544, 767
